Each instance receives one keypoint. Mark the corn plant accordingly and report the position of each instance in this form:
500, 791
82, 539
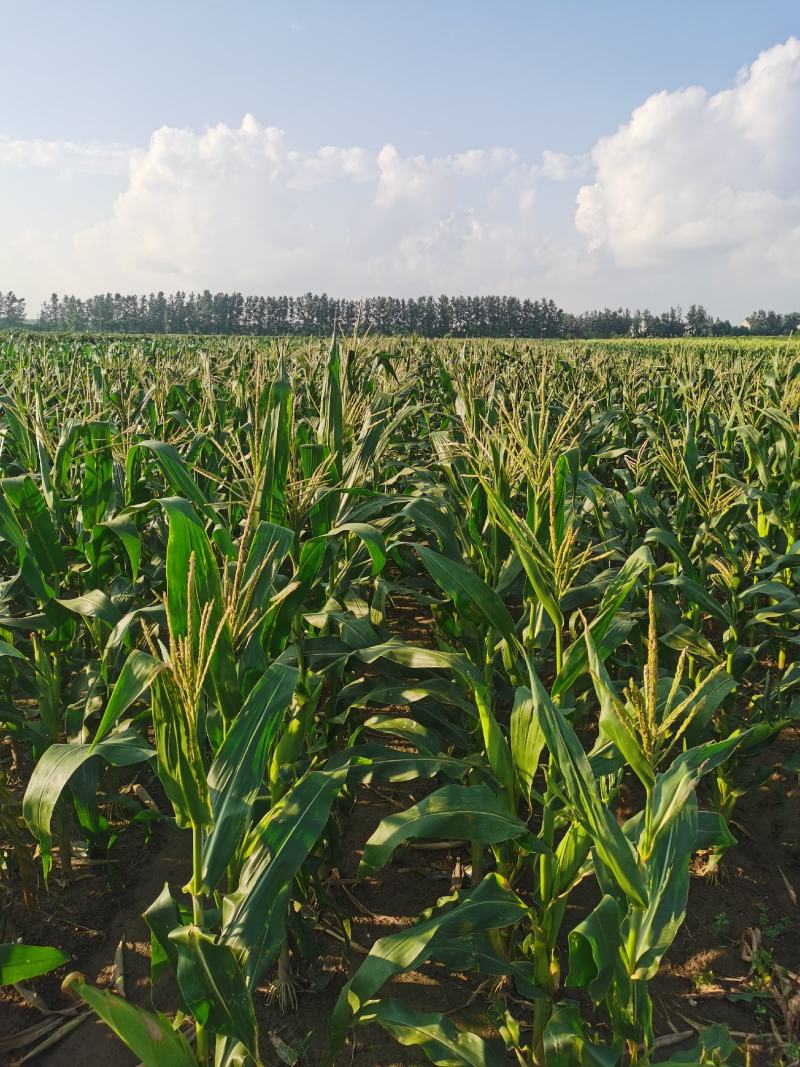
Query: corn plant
205, 544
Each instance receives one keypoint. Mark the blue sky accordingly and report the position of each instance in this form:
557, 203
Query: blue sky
434, 146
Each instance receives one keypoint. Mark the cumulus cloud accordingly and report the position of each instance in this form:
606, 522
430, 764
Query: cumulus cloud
695, 197
240, 207
693, 172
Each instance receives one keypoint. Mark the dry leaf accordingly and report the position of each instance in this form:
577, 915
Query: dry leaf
789, 888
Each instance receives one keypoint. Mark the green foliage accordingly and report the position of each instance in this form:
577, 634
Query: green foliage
18, 963
268, 574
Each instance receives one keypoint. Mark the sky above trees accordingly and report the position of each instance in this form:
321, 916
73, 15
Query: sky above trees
617, 153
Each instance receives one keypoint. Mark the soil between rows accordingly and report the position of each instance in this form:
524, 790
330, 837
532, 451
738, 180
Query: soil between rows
104, 905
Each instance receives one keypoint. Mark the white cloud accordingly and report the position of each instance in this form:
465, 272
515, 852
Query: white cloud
240, 207
693, 173
65, 156
695, 198
561, 167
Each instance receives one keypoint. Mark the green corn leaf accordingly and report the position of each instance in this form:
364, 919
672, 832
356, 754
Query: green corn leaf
428, 516
610, 843
375, 437
371, 539
57, 766
276, 447
756, 450
594, 949
565, 475
668, 540
123, 528
10, 652
148, 1035
527, 739
697, 594
475, 952
26, 524
120, 634
714, 1045
495, 744
535, 562
238, 769
181, 769
93, 605
213, 986
270, 936
571, 854
668, 890
701, 703
29, 507
682, 637
576, 657
135, 678
458, 812
409, 692
18, 963
270, 546
568, 1042
489, 906
406, 655
280, 617
187, 541
162, 916
473, 598
675, 786
371, 764
423, 737
713, 832
71, 432
329, 432
97, 488
178, 477
443, 1043
615, 725
24, 438
45, 469
275, 850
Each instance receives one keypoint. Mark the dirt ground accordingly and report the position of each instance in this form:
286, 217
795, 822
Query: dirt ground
85, 919
703, 970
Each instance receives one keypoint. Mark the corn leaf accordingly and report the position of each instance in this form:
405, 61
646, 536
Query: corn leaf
135, 678
594, 949
527, 739
489, 906
213, 986
576, 657
18, 963
610, 843
473, 598
238, 769
460, 812
54, 770
443, 1043
148, 1035
188, 541
275, 850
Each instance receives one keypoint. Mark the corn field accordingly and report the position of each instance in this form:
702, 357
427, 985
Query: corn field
211, 553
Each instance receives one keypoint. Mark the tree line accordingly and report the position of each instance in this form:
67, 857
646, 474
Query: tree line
444, 316
233, 313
